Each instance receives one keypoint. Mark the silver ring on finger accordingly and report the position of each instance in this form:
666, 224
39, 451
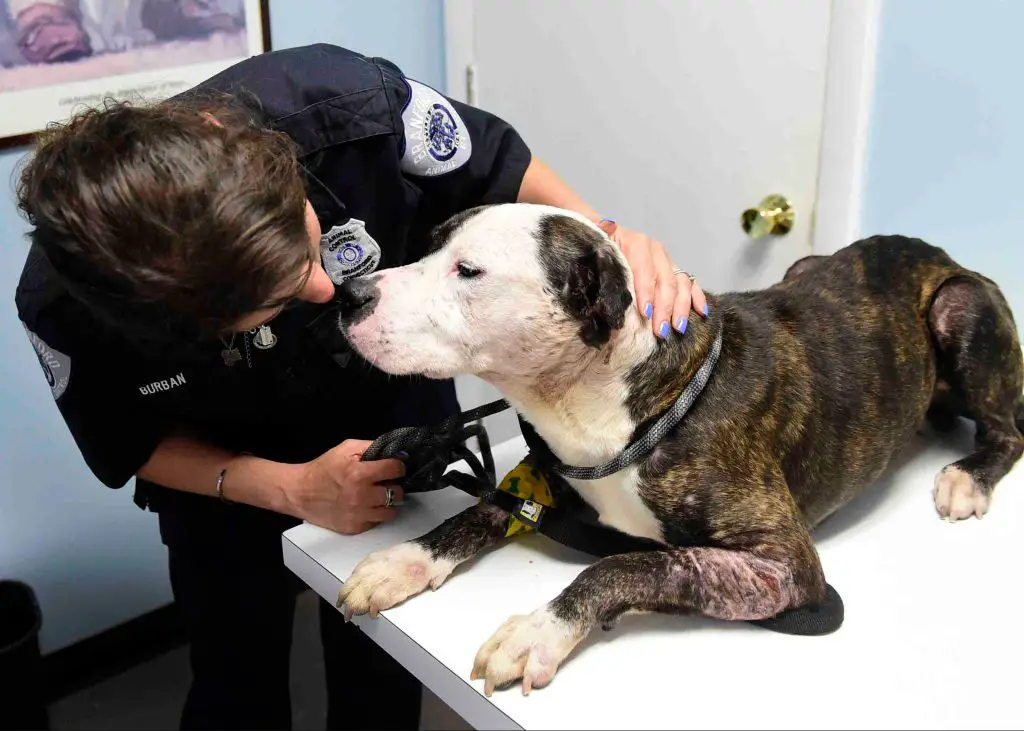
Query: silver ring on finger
677, 271
389, 497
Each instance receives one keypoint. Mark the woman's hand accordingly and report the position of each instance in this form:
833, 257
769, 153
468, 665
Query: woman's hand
338, 492
665, 295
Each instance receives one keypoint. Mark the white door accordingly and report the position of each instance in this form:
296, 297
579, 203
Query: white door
669, 116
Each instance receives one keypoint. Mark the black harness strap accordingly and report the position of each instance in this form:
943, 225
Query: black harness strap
428, 452
561, 527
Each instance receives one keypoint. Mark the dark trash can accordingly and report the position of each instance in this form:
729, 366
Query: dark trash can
22, 700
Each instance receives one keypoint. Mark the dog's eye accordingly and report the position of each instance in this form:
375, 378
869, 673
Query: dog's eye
468, 272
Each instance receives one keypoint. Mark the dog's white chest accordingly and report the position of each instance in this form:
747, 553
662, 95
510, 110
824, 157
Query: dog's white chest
617, 502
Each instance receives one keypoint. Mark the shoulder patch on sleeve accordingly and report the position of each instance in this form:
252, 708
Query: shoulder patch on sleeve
55, 364
436, 139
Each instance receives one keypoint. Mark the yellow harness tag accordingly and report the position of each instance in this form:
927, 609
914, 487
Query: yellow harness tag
526, 483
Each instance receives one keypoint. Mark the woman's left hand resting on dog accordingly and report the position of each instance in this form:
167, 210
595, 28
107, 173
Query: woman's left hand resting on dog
664, 295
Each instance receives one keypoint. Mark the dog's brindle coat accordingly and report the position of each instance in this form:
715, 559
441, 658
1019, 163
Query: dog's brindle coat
823, 378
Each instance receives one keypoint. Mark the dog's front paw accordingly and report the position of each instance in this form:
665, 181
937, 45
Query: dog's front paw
390, 576
957, 496
527, 646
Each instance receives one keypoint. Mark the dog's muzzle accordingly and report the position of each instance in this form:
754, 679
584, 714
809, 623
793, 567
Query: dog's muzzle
357, 299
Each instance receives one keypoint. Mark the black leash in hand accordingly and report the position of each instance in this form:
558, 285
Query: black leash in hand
428, 451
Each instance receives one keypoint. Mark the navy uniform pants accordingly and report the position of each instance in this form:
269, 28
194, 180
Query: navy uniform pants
237, 600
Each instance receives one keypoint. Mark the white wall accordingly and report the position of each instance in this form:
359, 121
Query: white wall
95, 559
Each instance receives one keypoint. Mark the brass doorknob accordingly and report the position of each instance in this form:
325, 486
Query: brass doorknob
774, 215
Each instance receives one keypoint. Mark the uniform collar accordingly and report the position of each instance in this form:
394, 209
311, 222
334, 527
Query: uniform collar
328, 207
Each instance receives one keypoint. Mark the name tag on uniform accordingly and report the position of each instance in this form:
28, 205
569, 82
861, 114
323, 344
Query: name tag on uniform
349, 251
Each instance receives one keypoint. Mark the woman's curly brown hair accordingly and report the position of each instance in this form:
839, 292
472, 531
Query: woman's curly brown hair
204, 218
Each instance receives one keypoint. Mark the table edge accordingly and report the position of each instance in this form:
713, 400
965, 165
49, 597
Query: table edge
450, 687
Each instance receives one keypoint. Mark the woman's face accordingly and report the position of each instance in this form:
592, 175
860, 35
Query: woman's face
319, 287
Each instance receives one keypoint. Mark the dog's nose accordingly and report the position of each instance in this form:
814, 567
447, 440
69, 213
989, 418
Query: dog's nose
358, 295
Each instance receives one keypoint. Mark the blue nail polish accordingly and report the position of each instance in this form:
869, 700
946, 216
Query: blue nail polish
649, 310
607, 220
683, 322
705, 309
664, 330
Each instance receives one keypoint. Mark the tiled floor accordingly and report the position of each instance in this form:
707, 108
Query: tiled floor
149, 696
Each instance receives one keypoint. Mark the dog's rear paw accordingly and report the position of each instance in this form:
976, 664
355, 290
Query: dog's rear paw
526, 646
389, 577
957, 496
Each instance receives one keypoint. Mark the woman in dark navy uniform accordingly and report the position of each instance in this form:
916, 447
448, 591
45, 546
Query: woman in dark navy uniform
179, 294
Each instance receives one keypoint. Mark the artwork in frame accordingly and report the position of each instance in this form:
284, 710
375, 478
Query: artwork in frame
58, 56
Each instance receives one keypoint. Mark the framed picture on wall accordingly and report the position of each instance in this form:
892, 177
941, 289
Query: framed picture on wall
58, 56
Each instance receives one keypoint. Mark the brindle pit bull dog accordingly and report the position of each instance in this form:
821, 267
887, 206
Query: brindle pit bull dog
822, 379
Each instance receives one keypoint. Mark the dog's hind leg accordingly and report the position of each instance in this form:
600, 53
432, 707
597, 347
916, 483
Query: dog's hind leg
981, 377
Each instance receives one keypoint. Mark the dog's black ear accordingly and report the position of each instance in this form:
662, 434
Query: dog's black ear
590, 283
597, 294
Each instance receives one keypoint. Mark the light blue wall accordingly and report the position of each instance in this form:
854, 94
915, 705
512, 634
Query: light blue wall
946, 146
94, 558
408, 32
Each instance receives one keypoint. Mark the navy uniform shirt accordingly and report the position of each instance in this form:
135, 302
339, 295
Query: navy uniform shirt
376, 147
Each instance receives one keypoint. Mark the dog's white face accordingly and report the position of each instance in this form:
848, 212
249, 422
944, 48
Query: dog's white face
513, 290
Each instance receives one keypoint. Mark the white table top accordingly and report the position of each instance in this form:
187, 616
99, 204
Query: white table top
933, 636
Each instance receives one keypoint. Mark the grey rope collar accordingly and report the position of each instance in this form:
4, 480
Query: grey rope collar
641, 447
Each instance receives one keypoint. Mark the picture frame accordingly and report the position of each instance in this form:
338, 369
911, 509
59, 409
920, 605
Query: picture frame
59, 56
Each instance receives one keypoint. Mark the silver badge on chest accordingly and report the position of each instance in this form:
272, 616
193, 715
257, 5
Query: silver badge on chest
349, 251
